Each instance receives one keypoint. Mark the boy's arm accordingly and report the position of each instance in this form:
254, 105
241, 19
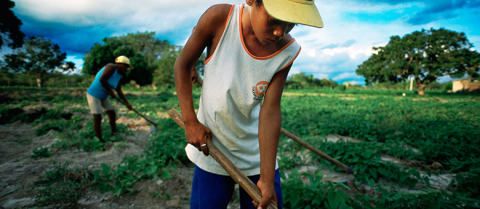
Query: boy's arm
107, 73
207, 29
268, 135
194, 75
122, 96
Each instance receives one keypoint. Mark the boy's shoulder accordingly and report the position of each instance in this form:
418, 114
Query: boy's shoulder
219, 10
213, 21
110, 66
218, 13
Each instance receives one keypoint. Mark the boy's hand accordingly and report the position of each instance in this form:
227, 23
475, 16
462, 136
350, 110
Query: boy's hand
194, 75
197, 135
268, 194
112, 94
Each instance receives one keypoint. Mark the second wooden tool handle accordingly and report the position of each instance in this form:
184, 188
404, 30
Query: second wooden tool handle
143, 116
231, 169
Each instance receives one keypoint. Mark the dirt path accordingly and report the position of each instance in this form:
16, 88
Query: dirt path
19, 172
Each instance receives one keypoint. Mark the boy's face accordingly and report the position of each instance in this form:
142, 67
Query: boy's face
267, 29
122, 68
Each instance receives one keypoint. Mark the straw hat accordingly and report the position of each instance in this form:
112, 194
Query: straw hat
294, 11
124, 60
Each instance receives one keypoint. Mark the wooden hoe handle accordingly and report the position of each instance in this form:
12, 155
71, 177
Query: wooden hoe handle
231, 169
316, 151
148, 119
311, 148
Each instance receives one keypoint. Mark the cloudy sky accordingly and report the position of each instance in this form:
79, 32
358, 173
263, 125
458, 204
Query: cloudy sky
352, 27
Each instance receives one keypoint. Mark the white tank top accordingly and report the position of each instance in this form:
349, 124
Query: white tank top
234, 85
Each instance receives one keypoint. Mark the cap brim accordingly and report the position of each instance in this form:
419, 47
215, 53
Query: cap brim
294, 12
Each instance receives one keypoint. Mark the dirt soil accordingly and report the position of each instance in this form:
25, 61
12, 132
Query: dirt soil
19, 171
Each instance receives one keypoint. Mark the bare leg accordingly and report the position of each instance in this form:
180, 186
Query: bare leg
112, 118
97, 126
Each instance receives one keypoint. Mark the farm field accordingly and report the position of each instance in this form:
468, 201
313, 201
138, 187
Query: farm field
406, 151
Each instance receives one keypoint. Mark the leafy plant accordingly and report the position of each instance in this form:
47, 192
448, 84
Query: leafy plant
62, 185
41, 152
164, 149
438, 127
312, 194
85, 138
49, 115
391, 198
467, 184
47, 127
91, 145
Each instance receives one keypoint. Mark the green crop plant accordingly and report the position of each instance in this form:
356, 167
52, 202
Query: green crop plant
52, 120
66, 141
61, 98
41, 152
128, 172
430, 127
7, 114
163, 150
365, 160
468, 184
49, 115
168, 145
85, 138
437, 128
314, 193
11, 114
121, 145
390, 197
52, 125
62, 186
91, 145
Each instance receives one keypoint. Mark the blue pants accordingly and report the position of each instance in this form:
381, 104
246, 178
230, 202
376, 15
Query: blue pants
213, 191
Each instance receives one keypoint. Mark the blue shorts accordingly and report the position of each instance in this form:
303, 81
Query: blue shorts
213, 191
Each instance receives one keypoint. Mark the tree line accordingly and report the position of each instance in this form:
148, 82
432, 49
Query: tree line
152, 59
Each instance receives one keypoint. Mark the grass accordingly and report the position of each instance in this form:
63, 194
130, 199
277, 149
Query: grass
442, 126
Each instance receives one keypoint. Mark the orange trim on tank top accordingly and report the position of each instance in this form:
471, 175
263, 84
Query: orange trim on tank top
245, 47
228, 20
291, 61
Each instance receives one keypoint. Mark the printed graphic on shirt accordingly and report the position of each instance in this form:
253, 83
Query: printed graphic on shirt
259, 90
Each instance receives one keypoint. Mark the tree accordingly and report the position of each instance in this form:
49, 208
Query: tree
164, 74
324, 82
426, 55
143, 49
470, 63
39, 57
306, 81
10, 25
141, 72
302, 80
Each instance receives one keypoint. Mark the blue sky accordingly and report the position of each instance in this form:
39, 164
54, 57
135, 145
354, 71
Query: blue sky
351, 28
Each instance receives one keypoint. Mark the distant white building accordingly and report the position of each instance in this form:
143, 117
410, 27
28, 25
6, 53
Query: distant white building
466, 85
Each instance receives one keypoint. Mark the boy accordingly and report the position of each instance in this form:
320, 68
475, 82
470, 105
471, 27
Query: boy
249, 55
107, 78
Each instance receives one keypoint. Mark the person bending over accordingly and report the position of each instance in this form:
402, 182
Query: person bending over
107, 79
249, 55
